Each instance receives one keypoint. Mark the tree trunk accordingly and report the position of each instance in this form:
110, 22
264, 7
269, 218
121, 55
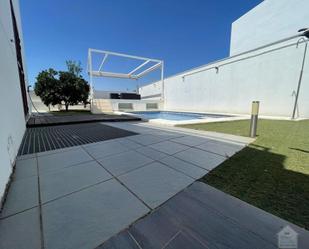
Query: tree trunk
66, 107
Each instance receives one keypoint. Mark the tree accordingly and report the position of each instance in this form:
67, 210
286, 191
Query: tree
73, 89
74, 67
63, 87
47, 87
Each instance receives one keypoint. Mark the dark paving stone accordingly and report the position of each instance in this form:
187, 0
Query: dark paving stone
122, 241
184, 241
41, 139
204, 217
251, 218
155, 230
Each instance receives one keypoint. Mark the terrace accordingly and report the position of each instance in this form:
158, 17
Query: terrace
175, 163
138, 181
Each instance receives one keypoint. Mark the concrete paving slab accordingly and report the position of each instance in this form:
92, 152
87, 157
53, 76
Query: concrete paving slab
184, 167
197, 222
201, 158
87, 218
58, 161
21, 231
71, 179
147, 139
25, 168
169, 147
101, 150
190, 140
122, 241
22, 195
27, 156
221, 148
49, 152
151, 153
124, 162
155, 230
128, 143
155, 183
182, 239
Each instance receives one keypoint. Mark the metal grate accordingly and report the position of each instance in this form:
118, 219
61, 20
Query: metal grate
41, 139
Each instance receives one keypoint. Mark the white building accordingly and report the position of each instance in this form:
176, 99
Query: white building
268, 74
13, 95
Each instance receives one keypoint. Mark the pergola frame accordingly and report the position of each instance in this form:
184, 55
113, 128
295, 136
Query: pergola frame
130, 75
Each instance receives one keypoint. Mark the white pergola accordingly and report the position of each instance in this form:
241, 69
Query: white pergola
133, 74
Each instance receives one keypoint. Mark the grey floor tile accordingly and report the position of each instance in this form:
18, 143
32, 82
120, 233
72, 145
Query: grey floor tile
124, 162
87, 218
49, 152
201, 158
187, 168
147, 139
155, 183
128, 143
71, 179
25, 168
106, 149
27, 156
169, 147
190, 140
221, 148
151, 153
21, 231
22, 195
58, 161
122, 240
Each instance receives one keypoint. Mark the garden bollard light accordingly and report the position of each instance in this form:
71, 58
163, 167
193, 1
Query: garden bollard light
254, 118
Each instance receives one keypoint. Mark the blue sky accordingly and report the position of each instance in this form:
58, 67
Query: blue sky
184, 33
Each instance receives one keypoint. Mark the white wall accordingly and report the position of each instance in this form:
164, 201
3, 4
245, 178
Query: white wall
151, 91
267, 76
270, 21
12, 125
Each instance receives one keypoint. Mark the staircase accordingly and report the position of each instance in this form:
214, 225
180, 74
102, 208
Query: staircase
101, 106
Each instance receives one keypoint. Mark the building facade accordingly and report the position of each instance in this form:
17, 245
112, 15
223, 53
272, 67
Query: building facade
13, 93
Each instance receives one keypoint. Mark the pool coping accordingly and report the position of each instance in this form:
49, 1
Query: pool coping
232, 117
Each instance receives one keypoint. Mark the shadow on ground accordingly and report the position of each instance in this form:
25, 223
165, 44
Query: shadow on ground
258, 176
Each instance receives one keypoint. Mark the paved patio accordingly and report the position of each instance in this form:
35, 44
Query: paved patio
78, 197
202, 217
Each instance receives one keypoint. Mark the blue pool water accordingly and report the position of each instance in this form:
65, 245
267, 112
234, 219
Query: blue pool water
175, 116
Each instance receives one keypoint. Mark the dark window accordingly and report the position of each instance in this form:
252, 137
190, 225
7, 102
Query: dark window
19, 61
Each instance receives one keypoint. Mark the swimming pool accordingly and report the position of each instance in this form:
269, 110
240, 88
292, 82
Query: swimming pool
175, 116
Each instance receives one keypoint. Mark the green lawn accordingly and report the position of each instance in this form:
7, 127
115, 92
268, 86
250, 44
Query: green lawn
272, 173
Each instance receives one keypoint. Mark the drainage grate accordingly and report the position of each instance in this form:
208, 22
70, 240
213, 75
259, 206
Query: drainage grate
41, 139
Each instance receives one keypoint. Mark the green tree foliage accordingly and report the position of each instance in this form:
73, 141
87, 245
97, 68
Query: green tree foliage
63, 87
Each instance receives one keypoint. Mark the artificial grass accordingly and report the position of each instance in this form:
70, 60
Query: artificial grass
272, 173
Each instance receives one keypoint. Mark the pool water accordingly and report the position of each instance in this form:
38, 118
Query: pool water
175, 116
